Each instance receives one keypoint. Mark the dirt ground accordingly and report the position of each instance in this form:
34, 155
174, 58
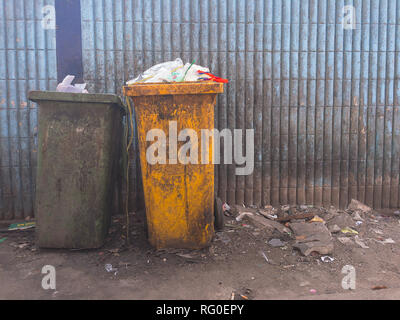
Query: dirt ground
234, 263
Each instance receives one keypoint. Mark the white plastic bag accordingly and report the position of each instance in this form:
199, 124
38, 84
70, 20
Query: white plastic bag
66, 86
159, 73
171, 71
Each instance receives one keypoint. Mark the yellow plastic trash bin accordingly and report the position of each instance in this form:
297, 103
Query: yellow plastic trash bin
179, 195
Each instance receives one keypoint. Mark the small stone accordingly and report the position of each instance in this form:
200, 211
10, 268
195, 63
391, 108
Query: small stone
386, 241
334, 228
312, 237
357, 205
356, 216
276, 243
360, 242
345, 240
342, 220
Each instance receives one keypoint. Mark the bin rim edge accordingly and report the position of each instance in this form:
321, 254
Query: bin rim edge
37, 96
173, 88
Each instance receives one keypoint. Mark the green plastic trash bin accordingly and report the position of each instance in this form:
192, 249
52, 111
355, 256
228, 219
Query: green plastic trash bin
79, 147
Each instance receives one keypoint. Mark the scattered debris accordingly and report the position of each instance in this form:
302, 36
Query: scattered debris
114, 251
332, 212
242, 215
356, 216
357, 205
265, 256
313, 291
189, 258
305, 284
23, 245
317, 219
379, 287
221, 236
226, 209
268, 212
21, 226
270, 225
349, 230
334, 228
109, 268
377, 231
298, 216
342, 220
386, 241
327, 259
245, 296
124, 264
268, 215
360, 242
312, 237
276, 243
345, 240
232, 226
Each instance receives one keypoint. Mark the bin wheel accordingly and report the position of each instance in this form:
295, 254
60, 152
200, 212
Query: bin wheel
218, 214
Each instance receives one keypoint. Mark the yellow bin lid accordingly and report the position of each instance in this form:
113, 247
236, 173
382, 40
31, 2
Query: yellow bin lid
173, 88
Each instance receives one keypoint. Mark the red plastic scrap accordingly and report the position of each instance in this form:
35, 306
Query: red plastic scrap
212, 77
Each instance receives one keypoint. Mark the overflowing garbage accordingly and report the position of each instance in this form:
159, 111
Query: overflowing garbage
67, 86
176, 71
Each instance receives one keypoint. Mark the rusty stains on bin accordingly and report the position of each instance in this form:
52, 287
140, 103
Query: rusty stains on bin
179, 199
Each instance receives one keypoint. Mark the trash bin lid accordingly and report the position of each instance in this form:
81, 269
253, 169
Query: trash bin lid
37, 96
173, 88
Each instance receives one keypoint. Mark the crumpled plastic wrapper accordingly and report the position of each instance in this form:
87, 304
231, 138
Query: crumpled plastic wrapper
171, 71
66, 86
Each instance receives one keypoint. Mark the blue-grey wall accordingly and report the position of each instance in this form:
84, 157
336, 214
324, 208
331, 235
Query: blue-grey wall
27, 62
324, 101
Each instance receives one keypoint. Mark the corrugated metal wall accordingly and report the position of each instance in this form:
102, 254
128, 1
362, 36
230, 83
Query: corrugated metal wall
324, 101
27, 62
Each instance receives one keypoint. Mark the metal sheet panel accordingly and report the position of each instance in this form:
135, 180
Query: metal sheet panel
27, 62
323, 100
